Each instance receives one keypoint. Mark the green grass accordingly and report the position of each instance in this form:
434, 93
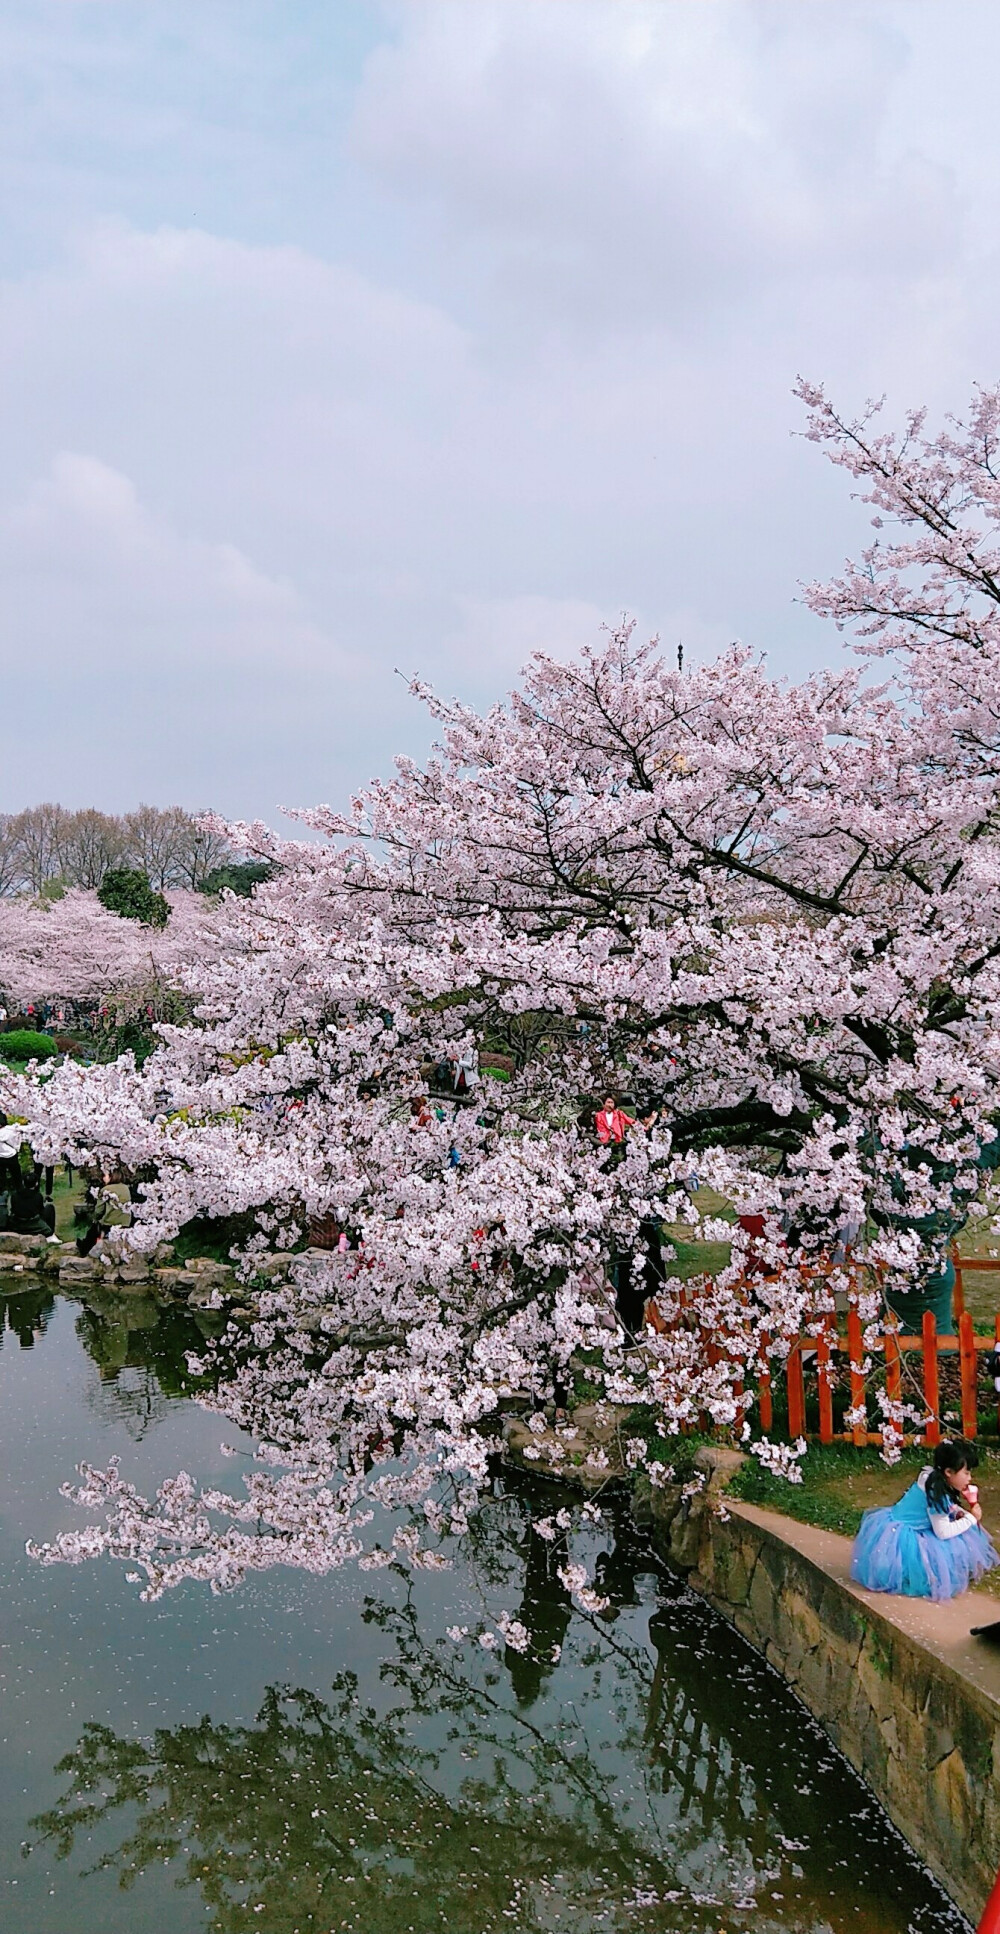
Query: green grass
839, 1483
980, 1240
842, 1481
65, 1198
696, 1258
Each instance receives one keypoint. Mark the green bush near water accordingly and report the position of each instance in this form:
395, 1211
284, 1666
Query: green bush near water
126, 891
23, 1044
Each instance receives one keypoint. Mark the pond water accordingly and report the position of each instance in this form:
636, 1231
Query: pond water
309, 1754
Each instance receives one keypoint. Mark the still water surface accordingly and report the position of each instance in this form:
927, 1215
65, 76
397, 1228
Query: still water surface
308, 1755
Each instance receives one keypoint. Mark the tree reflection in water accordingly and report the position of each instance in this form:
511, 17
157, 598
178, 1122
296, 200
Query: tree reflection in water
140, 1350
669, 1785
120, 1333
24, 1313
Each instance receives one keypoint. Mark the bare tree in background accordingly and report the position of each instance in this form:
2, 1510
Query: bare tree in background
48, 843
171, 846
154, 839
93, 842
42, 834
201, 851
10, 854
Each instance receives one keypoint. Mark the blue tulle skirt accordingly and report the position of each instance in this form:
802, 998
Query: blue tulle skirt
896, 1551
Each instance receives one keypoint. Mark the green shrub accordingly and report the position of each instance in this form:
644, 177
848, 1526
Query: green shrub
23, 1044
240, 876
214, 1236
126, 891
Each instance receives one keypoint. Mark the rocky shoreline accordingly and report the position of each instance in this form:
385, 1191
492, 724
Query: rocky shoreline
201, 1281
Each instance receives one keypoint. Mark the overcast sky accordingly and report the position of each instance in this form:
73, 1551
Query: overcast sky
341, 337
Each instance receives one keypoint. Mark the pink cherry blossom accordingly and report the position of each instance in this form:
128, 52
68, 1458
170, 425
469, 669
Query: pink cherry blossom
766, 914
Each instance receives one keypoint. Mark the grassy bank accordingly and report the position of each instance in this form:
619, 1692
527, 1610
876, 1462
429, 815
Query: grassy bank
840, 1482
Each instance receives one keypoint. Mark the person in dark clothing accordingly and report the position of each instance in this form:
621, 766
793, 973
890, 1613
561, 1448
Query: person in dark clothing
10, 1167
30, 1214
633, 1290
89, 1217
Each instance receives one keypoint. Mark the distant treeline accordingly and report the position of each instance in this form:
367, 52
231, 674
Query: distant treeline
45, 848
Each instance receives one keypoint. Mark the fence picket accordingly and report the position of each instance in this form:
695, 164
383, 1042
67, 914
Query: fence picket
932, 1397
764, 1398
796, 1393
893, 1381
855, 1350
967, 1360
825, 1388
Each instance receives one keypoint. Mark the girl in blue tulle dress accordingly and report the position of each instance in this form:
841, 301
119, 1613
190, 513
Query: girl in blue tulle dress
931, 1544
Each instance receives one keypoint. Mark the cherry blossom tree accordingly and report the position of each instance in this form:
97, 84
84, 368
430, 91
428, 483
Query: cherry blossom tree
769, 913
72, 948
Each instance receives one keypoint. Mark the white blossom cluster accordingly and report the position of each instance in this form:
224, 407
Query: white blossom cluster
766, 915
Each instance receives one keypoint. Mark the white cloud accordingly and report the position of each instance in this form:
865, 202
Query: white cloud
645, 160
532, 367
81, 542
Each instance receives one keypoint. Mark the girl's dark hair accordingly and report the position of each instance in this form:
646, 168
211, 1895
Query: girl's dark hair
950, 1456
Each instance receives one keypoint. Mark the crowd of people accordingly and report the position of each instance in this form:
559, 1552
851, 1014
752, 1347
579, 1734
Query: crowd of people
26, 1205
40, 1017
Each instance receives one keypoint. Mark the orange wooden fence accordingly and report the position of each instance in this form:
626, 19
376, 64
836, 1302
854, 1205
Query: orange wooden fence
929, 1345
829, 1339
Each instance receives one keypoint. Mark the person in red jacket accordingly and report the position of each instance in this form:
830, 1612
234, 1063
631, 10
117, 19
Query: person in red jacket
611, 1122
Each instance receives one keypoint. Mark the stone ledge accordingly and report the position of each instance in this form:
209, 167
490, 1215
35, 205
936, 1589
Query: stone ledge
908, 1697
582, 1449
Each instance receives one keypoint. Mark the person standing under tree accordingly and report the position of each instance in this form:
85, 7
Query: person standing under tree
612, 1122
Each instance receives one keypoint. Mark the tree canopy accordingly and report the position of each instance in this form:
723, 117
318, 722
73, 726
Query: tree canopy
766, 913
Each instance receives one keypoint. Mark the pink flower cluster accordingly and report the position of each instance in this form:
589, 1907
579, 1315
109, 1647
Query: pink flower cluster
74, 949
767, 913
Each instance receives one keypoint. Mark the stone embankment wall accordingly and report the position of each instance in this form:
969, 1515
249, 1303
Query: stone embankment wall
923, 1736
201, 1281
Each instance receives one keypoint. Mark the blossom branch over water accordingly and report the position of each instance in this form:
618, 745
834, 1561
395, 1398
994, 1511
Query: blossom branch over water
769, 912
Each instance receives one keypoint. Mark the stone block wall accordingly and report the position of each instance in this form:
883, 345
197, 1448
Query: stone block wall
924, 1738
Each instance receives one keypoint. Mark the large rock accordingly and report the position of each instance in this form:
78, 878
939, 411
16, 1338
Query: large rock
713, 1469
175, 1282
203, 1296
582, 1450
18, 1247
131, 1275
79, 1269
308, 1263
275, 1269
210, 1274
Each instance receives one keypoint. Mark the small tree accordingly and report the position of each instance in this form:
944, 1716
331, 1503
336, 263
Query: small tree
127, 892
236, 876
